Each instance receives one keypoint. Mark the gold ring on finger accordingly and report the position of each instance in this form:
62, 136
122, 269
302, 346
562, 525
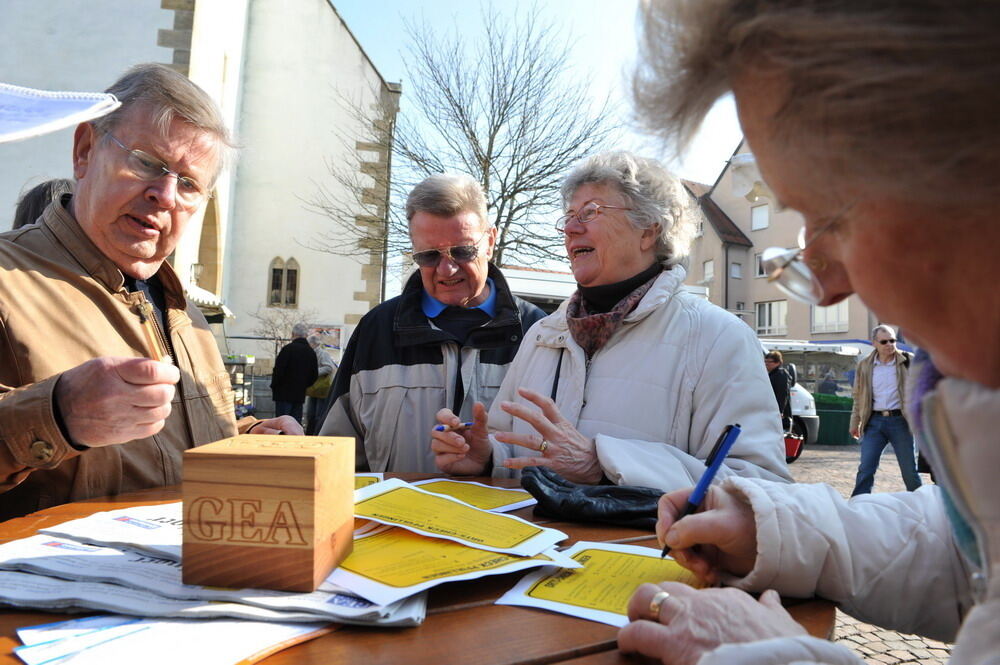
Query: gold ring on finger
543, 446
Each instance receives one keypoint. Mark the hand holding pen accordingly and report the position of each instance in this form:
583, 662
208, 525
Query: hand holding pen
462, 448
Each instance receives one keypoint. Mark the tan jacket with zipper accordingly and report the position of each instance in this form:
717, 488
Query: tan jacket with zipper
862, 409
62, 303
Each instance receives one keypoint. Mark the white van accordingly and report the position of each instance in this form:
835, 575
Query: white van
808, 364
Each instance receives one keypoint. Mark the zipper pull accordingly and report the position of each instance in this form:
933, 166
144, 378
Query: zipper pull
151, 331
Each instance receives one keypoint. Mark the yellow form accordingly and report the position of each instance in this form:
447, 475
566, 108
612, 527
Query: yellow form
401, 504
607, 579
475, 494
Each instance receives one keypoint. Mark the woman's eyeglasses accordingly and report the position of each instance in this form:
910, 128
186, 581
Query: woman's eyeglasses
430, 258
587, 213
786, 269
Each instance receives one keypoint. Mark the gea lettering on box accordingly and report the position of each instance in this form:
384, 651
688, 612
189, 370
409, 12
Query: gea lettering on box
268, 512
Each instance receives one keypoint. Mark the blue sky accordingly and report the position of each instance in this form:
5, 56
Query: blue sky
603, 49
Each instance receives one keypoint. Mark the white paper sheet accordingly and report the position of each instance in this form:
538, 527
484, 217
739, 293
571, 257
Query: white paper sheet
440, 516
47, 632
26, 112
602, 583
171, 641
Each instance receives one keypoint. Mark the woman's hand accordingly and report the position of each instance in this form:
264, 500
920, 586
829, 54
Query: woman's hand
567, 452
464, 452
720, 538
690, 622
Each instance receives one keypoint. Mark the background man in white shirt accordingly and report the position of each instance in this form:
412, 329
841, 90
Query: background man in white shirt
877, 418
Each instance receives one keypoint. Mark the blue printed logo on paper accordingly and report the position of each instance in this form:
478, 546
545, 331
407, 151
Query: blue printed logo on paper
76, 547
137, 522
345, 600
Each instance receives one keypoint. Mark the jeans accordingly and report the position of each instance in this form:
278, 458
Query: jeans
881, 431
293, 409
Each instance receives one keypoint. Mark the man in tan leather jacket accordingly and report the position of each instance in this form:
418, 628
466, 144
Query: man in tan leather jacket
107, 374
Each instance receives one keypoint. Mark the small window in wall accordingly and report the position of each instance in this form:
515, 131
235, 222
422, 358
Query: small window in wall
832, 319
736, 270
760, 217
740, 305
758, 269
283, 286
699, 228
772, 317
708, 270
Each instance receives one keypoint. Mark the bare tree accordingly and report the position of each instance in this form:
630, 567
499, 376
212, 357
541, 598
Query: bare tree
504, 107
274, 324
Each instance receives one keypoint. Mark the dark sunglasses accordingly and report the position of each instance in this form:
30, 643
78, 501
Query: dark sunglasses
430, 258
887, 341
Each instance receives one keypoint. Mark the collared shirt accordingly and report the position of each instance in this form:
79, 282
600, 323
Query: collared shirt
433, 307
885, 391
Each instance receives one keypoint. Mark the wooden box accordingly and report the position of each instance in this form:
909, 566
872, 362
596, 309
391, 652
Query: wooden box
268, 512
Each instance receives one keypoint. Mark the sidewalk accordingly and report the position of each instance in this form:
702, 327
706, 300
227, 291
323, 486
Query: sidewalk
836, 466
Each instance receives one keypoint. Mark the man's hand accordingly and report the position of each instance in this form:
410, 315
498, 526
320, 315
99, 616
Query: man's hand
692, 622
465, 452
279, 425
856, 432
724, 532
113, 400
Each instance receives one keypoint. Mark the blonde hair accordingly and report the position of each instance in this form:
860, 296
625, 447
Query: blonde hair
899, 94
653, 193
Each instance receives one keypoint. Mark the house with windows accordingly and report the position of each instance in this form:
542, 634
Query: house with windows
742, 219
300, 95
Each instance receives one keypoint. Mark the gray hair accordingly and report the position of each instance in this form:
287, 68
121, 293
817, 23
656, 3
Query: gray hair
893, 95
446, 195
882, 328
167, 95
655, 196
299, 330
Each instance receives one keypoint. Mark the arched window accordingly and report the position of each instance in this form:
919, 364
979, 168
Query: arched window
283, 283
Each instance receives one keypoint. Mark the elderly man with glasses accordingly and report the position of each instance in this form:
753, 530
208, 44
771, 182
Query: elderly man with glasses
878, 418
98, 345
445, 342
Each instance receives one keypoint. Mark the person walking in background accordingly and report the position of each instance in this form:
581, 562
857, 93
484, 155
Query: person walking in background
781, 384
317, 393
295, 369
877, 417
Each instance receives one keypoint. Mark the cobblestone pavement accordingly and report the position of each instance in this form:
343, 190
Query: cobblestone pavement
836, 466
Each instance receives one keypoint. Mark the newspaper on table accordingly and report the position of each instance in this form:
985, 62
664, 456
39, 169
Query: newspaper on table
155, 529
485, 497
396, 563
71, 560
600, 588
27, 112
401, 504
118, 639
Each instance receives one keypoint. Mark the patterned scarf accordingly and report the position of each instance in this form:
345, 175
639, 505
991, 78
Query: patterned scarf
592, 331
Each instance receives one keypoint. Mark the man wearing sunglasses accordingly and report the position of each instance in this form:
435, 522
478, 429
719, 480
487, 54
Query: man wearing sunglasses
445, 342
98, 345
877, 417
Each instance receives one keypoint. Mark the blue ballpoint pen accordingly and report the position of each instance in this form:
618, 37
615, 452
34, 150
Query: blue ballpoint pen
713, 462
452, 428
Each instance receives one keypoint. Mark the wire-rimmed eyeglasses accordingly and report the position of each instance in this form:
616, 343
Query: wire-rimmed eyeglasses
786, 269
144, 166
430, 258
587, 213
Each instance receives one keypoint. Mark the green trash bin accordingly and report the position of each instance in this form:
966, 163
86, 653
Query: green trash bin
834, 420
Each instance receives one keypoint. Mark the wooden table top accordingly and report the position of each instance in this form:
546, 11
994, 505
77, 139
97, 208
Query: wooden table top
463, 624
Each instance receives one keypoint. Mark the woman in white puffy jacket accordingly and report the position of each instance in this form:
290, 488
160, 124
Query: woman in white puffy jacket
878, 121
632, 379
